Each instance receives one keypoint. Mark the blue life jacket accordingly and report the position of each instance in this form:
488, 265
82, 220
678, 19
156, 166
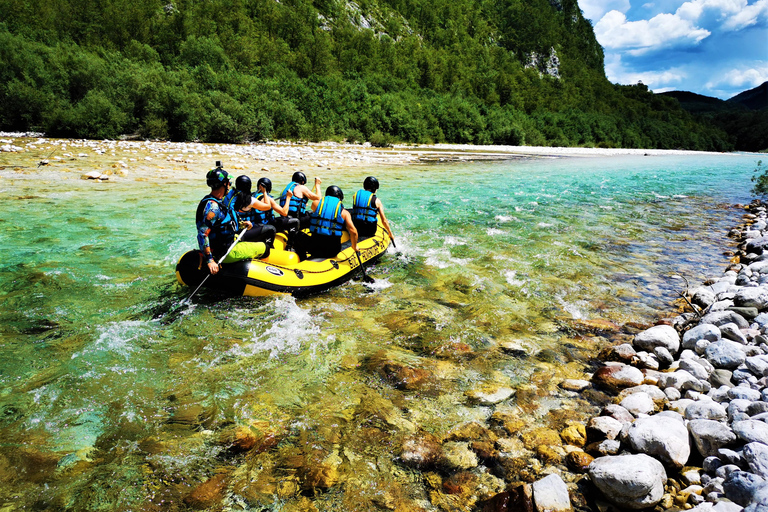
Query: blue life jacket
297, 205
327, 220
364, 208
259, 216
241, 201
224, 225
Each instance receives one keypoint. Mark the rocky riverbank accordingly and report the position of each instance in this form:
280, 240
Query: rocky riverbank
687, 429
683, 426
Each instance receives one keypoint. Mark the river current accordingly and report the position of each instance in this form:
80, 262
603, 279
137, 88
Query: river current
116, 394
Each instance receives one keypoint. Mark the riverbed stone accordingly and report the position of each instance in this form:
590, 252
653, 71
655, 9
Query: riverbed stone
725, 354
732, 332
758, 365
616, 376
663, 436
744, 392
706, 410
550, 494
420, 450
600, 428
681, 380
618, 413
695, 368
721, 377
740, 486
754, 297
658, 336
458, 455
631, 481
719, 318
751, 431
759, 501
756, 456
710, 435
702, 331
703, 297
639, 404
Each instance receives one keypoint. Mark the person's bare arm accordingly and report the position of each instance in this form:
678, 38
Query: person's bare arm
384, 220
262, 206
283, 211
312, 195
350, 228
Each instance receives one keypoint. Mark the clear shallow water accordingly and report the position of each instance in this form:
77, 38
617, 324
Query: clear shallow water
115, 395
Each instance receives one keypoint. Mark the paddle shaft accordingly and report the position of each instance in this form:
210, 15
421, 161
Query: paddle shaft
365, 276
219, 262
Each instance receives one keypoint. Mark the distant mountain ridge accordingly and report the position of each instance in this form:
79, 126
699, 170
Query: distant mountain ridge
753, 99
743, 117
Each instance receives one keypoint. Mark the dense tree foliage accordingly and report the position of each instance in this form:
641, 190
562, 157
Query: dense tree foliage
465, 71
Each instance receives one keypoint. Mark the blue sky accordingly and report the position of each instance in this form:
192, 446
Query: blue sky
716, 48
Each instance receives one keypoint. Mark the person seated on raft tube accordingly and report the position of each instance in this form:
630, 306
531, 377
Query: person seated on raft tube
301, 196
217, 224
329, 219
366, 208
251, 209
283, 223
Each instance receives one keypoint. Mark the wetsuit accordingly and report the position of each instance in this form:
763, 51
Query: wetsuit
326, 227
216, 234
364, 213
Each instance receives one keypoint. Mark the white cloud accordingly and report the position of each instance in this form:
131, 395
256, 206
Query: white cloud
596, 9
748, 15
614, 31
746, 78
667, 78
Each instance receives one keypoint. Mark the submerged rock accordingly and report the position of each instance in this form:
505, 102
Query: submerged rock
420, 450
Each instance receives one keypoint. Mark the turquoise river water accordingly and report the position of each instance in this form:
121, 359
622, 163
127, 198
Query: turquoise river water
116, 395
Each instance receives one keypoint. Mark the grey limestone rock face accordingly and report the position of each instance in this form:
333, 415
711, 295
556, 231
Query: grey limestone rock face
631, 481
658, 336
662, 436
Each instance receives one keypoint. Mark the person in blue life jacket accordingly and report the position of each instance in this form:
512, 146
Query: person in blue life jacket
251, 209
367, 209
282, 223
329, 219
301, 195
217, 224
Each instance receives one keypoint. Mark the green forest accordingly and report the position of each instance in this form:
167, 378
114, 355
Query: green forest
523, 72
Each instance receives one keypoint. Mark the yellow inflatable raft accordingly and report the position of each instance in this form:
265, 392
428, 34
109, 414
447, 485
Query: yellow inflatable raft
282, 272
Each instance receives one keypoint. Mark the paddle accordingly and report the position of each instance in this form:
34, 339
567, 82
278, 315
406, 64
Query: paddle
366, 279
219, 262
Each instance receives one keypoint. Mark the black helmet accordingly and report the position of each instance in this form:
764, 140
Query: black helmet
334, 191
243, 184
371, 184
299, 178
266, 183
217, 177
